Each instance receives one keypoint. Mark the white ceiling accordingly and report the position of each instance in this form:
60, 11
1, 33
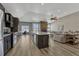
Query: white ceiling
37, 11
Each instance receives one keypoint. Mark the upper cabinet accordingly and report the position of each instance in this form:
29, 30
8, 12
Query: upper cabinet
15, 24
8, 20
11, 22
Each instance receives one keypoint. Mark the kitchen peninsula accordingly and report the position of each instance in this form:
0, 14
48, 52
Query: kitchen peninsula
41, 39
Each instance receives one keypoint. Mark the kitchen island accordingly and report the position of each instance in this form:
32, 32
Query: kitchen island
41, 39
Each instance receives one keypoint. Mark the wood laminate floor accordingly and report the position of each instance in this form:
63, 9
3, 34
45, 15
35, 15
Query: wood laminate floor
25, 47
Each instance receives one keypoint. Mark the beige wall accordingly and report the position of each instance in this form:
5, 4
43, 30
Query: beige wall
70, 22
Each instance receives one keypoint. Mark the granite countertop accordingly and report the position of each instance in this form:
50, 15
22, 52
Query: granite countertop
42, 33
6, 35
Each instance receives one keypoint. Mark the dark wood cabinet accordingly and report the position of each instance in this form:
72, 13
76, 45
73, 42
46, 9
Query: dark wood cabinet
45, 41
8, 20
7, 44
42, 41
15, 24
11, 25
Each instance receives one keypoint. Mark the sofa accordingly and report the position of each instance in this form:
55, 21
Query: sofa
66, 37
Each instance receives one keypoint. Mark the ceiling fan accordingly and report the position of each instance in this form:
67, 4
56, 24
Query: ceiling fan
54, 18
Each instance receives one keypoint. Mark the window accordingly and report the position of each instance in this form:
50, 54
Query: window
49, 27
35, 27
25, 28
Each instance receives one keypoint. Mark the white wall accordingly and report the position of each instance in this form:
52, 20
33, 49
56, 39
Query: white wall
70, 22
57, 26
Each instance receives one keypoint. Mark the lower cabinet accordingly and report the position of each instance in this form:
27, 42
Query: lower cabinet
46, 41
7, 44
